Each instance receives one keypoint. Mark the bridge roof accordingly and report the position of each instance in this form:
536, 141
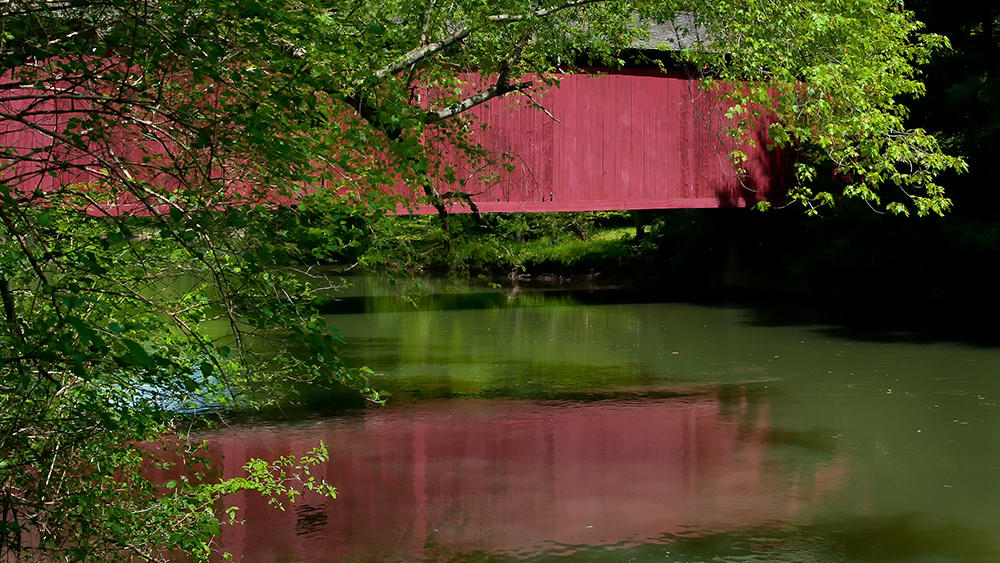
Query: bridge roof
683, 32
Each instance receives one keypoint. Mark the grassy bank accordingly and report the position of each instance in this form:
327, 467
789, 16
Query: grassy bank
566, 244
853, 254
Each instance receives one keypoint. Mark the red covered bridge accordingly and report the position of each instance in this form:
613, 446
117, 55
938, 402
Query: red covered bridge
627, 139
604, 140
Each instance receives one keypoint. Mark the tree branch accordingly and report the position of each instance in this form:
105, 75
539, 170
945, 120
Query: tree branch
423, 51
417, 54
544, 12
9, 309
500, 88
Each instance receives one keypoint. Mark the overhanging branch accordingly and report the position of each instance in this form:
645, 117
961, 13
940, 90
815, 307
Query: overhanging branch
500, 88
419, 53
424, 51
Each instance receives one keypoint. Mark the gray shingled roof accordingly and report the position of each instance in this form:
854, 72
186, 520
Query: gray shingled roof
681, 33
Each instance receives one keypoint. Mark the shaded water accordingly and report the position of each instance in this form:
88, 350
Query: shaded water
562, 425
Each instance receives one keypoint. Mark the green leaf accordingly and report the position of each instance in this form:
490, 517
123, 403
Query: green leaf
137, 354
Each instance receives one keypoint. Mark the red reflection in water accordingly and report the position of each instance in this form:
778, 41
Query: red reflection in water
440, 478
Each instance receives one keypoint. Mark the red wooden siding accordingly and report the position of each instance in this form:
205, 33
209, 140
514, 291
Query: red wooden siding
613, 140
623, 140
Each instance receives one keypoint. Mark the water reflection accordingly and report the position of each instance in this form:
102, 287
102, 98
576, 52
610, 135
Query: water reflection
541, 428
438, 479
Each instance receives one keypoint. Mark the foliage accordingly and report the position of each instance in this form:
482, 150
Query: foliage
113, 324
117, 514
833, 79
171, 172
963, 90
538, 242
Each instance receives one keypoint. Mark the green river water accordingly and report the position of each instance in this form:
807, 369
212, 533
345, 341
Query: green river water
587, 424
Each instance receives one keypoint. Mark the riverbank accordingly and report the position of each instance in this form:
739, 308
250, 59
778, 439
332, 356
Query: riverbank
905, 267
848, 254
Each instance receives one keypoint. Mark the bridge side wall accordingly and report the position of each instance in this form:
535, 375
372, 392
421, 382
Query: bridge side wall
605, 140
615, 140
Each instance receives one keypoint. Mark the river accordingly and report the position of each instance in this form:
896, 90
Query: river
588, 424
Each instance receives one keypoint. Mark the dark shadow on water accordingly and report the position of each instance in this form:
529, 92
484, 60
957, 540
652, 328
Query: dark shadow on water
885, 322
910, 538
522, 295
905, 537
817, 439
323, 405
309, 520
877, 319
572, 396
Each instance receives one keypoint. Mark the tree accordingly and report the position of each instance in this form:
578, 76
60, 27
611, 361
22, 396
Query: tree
839, 74
963, 87
171, 170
